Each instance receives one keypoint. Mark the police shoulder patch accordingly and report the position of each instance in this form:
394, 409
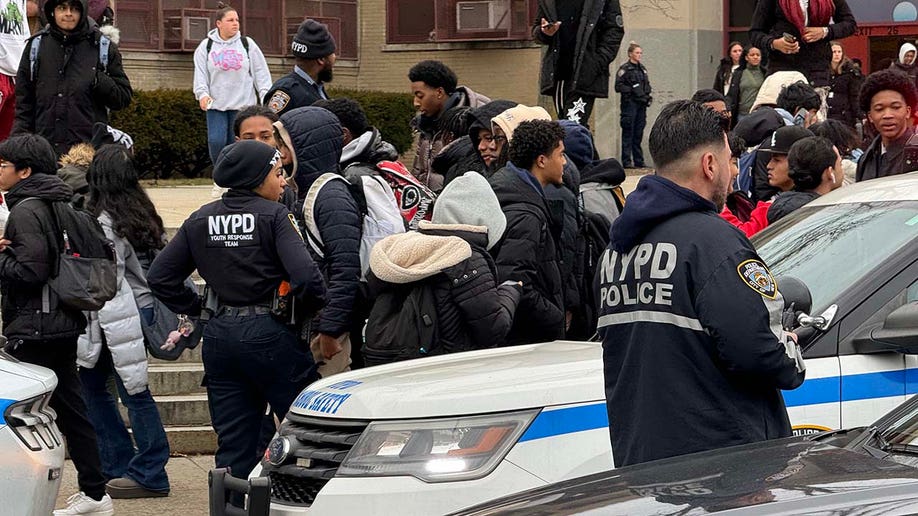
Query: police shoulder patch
756, 276
621, 71
296, 226
278, 101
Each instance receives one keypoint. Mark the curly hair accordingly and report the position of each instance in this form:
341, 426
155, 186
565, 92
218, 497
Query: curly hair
114, 188
80, 155
737, 144
434, 74
798, 95
349, 113
708, 95
888, 80
533, 139
840, 134
251, 112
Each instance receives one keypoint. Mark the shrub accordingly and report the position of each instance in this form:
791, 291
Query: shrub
170, 130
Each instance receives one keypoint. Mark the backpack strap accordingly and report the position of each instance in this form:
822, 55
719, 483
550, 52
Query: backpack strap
33, 55
104, 44
309, 205
210, 45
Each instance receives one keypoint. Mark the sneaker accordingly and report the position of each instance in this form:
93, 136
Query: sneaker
120, 488
79, 503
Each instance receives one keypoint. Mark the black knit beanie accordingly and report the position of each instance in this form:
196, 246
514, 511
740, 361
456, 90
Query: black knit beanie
312, 41
245, 164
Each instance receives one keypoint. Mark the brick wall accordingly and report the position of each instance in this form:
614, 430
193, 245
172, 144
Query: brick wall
499, 70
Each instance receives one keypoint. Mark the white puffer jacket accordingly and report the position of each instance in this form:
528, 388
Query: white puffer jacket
119, 321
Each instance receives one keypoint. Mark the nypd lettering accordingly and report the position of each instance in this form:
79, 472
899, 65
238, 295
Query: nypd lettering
299, 47
235, 230
757, 277
318, 401
650, 265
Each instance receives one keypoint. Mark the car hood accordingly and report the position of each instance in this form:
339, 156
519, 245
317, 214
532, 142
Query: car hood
783, 476
475, 382
20, 381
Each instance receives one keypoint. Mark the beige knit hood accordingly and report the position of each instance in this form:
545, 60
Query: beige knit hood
410, 257
510, 119
771, 88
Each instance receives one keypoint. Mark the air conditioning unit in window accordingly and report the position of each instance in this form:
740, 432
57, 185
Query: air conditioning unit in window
195, 28
482, 15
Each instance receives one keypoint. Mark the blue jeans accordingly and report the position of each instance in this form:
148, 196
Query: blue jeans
219, 131
147, 464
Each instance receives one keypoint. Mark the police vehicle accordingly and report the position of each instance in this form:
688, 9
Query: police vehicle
31, 446
435, 435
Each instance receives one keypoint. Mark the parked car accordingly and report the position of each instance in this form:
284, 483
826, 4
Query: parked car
872, 470
31, 446
434, 435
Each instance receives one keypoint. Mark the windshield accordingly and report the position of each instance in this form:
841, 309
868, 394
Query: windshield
903, 434
830, 248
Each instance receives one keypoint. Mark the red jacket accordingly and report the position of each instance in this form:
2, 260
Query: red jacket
757, 219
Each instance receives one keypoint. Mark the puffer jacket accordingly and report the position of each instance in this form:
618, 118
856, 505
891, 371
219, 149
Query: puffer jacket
528, 253
29, 261
118, 324
316, 137
434, 134
368, 148
456, 159
70, 91
473, 310
599, 36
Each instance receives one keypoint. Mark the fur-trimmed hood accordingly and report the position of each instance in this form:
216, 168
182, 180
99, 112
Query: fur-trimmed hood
410, 257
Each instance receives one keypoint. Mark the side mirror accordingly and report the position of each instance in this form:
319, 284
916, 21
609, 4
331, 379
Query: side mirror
900, 330
795, 292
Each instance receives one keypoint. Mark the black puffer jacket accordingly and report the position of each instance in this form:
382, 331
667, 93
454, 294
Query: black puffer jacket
70, 90
473, 310
29, 261
528, 253
845, 88
599, 36
457, 158
565, 215
316, 137
787, 203
770, 23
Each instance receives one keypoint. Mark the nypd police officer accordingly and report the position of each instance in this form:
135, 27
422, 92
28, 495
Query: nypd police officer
694, 353
314, 50
244, 246
633, 83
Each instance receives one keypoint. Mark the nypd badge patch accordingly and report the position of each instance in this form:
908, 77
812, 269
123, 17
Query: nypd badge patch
757, 277
278, 101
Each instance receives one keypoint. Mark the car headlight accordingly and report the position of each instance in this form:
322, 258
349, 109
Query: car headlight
436, 450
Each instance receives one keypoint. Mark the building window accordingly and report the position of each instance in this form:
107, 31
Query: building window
418, 21
180, 25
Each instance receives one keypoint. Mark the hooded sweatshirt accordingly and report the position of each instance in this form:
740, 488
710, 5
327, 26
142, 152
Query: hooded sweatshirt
13, 35
690, 321
231, 75
908, 69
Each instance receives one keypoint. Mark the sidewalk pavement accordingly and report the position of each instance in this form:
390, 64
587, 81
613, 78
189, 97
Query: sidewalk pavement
188, 479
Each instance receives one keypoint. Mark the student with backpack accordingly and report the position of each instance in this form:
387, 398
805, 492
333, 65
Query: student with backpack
70, 77
39, 328
311, 144
436, 291
230, 72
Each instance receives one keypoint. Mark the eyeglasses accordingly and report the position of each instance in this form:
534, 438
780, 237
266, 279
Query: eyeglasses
494, 139
4, 164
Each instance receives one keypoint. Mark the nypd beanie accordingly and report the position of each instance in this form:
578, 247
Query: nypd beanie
245, 164
312, 40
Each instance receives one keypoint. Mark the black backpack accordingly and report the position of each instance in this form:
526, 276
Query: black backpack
592, 242
402, 324
85, 275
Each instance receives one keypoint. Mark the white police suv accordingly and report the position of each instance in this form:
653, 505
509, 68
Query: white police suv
435, 435
31, 446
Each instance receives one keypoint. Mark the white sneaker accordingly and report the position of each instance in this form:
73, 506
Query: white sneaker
79, 503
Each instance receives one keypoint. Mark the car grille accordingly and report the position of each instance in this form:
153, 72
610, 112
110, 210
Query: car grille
32, 421
318, 447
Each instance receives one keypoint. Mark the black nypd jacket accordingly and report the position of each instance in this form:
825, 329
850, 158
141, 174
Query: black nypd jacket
693, 351
316, 138
29, 262
528, 253
599, 36
243, 246
70, 90
290, 92
633, 83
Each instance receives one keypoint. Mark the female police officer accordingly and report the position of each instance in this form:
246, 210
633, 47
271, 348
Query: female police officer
634, 85
243, 245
